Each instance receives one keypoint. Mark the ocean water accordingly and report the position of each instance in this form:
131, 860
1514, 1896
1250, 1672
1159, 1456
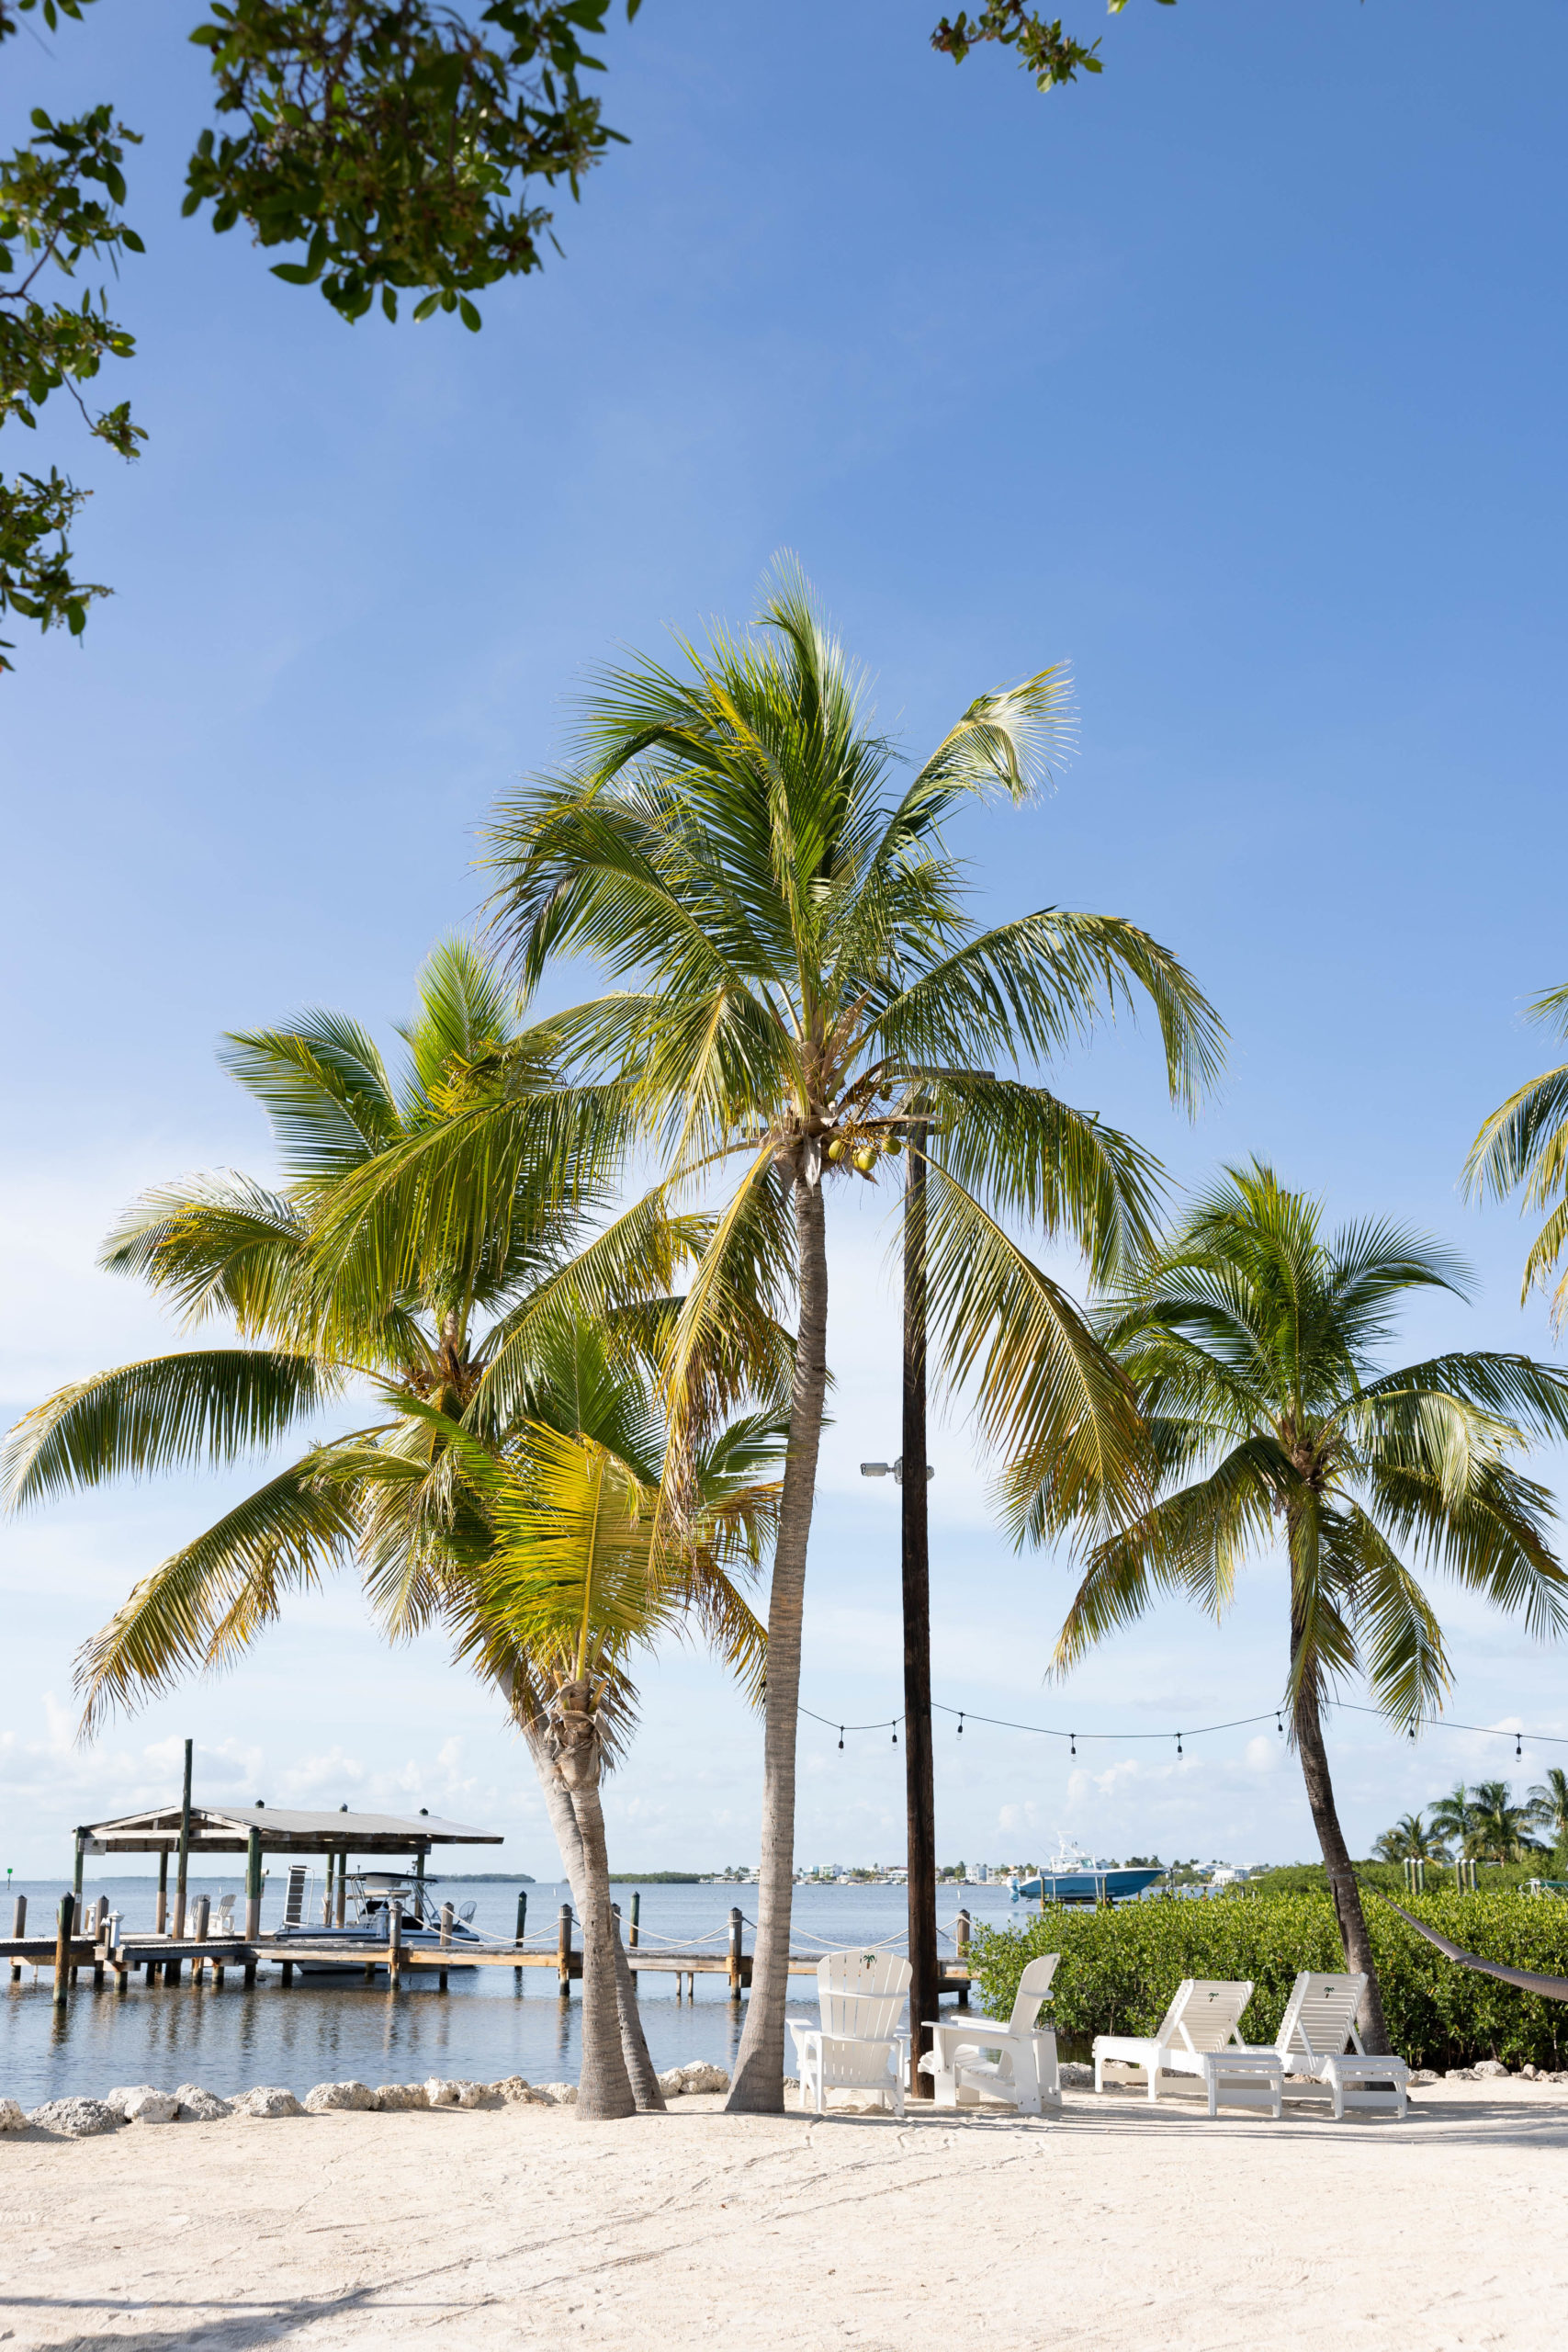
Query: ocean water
335, 2029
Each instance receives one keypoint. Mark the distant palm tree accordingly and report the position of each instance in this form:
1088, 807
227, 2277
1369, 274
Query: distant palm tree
1251, 1340
807, 989
1548, 1803
1524, 1145
1411, 1840
1453, 1819
1500, 1829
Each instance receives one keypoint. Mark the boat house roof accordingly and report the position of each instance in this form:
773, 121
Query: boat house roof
226, 1829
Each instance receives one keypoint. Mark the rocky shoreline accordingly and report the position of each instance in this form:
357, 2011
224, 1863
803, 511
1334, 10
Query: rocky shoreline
143, 2103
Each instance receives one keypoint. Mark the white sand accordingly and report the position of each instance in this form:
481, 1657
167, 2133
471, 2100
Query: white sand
1120, 2226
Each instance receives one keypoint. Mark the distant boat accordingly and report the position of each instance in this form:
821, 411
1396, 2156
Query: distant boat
371, 1897
1073, 1876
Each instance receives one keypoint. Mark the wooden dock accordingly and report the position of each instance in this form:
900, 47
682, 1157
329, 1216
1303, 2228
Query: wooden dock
163, 1958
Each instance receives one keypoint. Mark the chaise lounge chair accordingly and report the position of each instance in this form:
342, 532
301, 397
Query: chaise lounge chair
859, 2045
1016, 2061
1198, 2035
1319, 2020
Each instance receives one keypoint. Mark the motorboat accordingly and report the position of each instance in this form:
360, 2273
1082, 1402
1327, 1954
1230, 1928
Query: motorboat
371, 1897
1073, 1876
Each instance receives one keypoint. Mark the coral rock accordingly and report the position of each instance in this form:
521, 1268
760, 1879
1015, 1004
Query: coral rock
152, 2107
266, 2100
76, 2119
120, 2099
329, 2099
197, 2105
12, 2119
393, 2099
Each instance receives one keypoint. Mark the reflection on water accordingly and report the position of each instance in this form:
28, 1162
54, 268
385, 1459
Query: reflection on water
328, 2030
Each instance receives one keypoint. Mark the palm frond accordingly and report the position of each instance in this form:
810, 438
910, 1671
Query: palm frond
1048, 1398
324, 1088
201, 1608
202, 1408
1189, 1543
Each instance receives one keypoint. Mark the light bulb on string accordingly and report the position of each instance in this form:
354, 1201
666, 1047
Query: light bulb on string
1278, 1723
1072, 1743
1178, 1748
840, 1735
895, 1733
960, 1723
1518, 1744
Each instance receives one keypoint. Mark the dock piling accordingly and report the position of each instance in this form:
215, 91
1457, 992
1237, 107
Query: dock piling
737, 1943
182, 1870
66, 1921
963, 1941
161, 1915
203, 1914
395, 1946
447, 1915
634, 1937
100, 1937
563, 1952
252, 1889
19, 1930
522, 1929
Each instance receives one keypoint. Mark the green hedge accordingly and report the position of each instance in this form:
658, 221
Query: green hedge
1120, 1968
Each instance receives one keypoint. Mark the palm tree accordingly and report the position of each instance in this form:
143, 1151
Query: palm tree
1548, 1807
1524, 1146
806, 989
485, 1337
1499, 1827
1453, 1818
1411, 1840
1252, 1341
547, 1557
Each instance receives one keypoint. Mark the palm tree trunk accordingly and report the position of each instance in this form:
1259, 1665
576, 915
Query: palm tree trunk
758, 2087
634, 2048
603, 2089
1342, 1884
569, 1837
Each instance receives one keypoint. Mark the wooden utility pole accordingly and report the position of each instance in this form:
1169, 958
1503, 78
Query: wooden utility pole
920, 1798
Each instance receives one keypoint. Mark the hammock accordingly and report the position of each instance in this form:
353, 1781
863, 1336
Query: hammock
1550, 1989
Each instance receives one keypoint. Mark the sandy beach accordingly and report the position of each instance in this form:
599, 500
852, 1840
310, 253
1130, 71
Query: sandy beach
1118, 2227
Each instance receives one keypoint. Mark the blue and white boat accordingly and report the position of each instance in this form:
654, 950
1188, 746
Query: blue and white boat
371, 1897
1073, 1876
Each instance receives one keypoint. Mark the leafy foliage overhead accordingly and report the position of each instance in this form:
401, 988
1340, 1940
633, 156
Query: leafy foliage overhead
400, 148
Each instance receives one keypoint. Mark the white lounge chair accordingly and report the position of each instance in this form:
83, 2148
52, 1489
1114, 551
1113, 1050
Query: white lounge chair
1319, 2021
1198, 2035
1016, 2061
859, 2045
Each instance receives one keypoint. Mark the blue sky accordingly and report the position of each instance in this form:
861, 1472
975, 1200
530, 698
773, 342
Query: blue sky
1234, 376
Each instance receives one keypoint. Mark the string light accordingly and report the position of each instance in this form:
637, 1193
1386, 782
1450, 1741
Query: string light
1239, 1722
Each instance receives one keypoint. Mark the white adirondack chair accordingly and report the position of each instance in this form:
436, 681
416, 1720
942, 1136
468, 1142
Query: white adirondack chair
1319, 2020
1017, 2061
859, 2044
1198, 2035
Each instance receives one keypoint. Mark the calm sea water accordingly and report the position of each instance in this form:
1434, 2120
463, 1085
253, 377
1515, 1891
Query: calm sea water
327, 2030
